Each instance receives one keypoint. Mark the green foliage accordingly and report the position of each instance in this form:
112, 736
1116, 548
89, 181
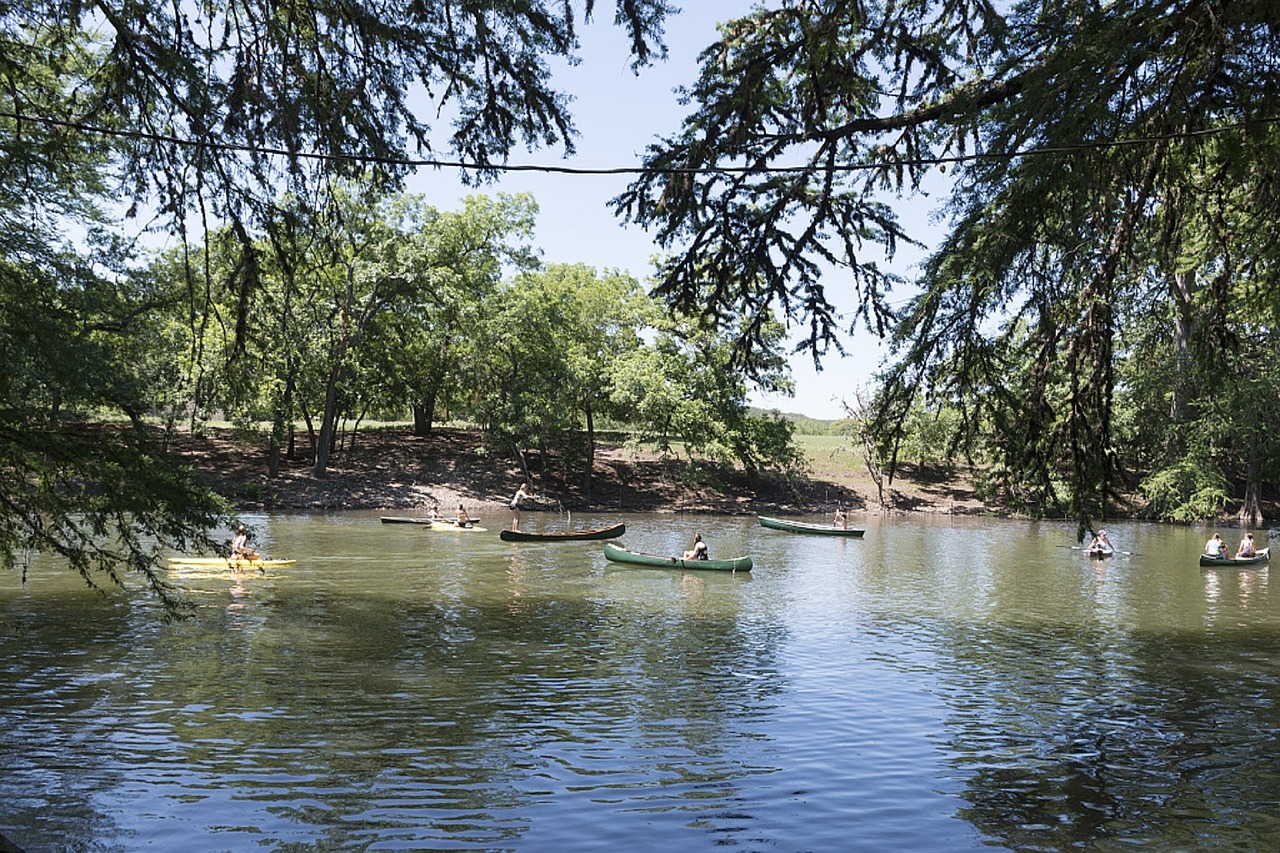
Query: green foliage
107, 499
926, 435
243, 124
1190, 489
690, 388
1121, 146
542, 358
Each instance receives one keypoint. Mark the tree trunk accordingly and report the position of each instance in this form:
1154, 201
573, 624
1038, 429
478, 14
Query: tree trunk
1251, 509
311, 432
328, 420
281, 429
870, 458
328, 423
273, 448
524, 462
424, 414
355, 428
591, 456
1182, 287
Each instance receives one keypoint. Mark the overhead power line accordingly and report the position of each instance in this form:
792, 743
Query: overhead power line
246, 148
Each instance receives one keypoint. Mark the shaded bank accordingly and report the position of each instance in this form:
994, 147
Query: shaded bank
390, 468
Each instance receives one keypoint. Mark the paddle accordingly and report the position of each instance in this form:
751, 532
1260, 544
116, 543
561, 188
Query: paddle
1086, 548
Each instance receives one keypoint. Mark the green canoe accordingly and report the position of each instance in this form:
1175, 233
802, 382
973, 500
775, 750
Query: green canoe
801, 527
564, 535
1261, 557
619, 554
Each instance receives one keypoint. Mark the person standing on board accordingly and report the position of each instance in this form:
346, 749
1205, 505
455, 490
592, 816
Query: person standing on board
462, 519
516, 501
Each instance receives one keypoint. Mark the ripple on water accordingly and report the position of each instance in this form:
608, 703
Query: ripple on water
916, 690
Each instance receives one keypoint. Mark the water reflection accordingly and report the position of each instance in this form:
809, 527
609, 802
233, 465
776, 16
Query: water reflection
1113, 728
1233, 589
942, 684
1103, 740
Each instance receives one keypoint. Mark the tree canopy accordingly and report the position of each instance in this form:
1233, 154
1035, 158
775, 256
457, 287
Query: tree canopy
242, 120
1105, 158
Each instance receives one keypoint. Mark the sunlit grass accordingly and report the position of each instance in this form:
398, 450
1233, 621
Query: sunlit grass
831, 457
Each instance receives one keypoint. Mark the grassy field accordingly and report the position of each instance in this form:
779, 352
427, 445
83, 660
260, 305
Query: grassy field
831, 457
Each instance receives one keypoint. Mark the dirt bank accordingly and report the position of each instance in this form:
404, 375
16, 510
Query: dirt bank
394, 470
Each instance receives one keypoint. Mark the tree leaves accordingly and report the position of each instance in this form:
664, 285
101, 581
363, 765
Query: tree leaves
1074, 126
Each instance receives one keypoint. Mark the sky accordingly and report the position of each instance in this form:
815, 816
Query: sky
617, 115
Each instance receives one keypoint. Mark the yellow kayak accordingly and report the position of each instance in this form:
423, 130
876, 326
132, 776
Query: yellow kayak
226, 563
449, 525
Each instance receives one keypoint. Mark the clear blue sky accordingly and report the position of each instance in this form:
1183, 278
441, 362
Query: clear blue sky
617, 115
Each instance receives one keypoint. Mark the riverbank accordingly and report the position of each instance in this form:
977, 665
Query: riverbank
391, 469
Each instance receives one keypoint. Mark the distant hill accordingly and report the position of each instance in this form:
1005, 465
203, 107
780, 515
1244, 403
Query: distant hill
804, 424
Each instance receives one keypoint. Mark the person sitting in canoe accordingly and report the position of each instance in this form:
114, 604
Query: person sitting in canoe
841, 520
698, 551
1101, 544
240, 549
1216, 548
1247, 548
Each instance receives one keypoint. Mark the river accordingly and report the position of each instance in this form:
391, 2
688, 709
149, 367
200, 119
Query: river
945, 683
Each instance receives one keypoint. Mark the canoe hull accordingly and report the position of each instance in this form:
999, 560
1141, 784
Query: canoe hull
1262, 556
801, 527
618, 554
566, 536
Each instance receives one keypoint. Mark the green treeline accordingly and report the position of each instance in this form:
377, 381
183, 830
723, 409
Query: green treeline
390, 309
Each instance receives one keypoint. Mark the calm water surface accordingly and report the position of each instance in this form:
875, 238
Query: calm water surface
942, 684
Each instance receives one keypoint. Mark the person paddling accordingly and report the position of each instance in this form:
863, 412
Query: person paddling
1101, 544
240, 549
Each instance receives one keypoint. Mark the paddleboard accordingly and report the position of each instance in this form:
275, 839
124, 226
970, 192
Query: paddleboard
224, 563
